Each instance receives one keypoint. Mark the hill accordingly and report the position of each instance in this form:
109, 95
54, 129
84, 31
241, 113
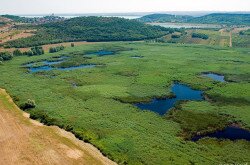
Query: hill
216, 18
91, 29
222, 18
164, 18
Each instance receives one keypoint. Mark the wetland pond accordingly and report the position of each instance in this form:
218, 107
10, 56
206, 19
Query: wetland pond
102, 53
231, 133
48, 66
181, 92
215, 77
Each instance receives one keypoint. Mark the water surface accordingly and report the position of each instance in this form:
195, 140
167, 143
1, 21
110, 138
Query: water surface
215, 77
102, 53
231, 133
48, 66
161, 106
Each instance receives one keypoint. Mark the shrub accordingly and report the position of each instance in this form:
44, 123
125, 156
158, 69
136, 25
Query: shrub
37, 50
72, 45
28, 104
175, 36
56, 49
4, 56
200, 35
43, 117
17, 52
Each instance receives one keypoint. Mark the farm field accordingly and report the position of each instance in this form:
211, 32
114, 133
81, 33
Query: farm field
96, 103
26, 141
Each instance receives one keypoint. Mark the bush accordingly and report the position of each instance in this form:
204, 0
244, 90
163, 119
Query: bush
17, 52
4, 56
56, 49
200, 35
37, 50
72, 45
175, 36
43, 117
28, 104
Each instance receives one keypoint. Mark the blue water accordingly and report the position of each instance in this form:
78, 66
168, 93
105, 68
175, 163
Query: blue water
48, 66
231, 133
102, 53
215, 77
161, 106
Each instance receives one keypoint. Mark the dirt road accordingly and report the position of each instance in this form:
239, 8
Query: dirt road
24, 141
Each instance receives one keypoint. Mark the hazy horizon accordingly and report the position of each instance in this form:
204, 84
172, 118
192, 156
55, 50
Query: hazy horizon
37, 7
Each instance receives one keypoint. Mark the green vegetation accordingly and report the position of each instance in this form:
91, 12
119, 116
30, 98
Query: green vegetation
223, 18
29, 104
164, 18
215, 37
5, 56
56, 49
200, 35
37, 50
195, 123
242, 39
36, 20
2, 23
215, 18
93, 110
90, 29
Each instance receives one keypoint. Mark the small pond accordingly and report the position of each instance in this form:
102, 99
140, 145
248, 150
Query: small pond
231, 133
102, 53
182, 92
215, 77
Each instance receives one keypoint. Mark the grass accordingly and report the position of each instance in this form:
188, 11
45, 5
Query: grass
98, 113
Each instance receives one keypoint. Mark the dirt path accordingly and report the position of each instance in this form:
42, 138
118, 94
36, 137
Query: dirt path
230, 42
24, 141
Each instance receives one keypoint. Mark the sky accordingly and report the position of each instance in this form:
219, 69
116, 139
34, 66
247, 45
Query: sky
118, 6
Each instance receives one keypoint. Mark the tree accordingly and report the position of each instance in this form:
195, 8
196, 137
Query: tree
17, 52
28, 104
72, 45
6, 56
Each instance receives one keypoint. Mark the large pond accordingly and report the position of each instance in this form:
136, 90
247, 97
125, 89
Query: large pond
231, 133
215, 77
182, 92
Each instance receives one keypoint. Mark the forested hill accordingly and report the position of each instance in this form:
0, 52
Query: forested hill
216, 18
220, 18
164, 18
91, 29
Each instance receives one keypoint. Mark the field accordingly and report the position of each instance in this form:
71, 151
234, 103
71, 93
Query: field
216, 37
26, 141
95, 103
